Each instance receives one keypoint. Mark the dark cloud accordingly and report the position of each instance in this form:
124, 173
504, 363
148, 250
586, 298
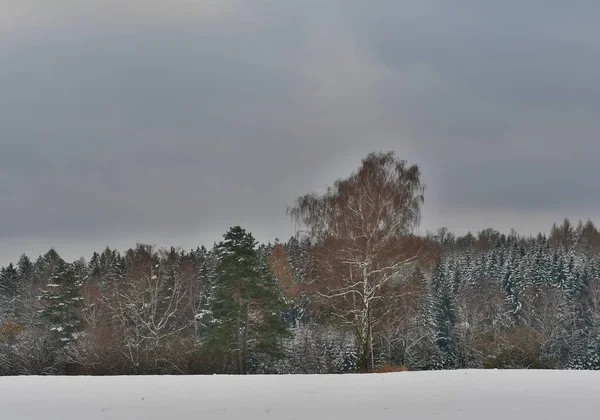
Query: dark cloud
168, 126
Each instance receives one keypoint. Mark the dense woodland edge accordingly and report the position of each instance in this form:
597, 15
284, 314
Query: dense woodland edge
354, 291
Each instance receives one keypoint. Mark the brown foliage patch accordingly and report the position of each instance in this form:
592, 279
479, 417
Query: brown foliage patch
10, 329
391, 368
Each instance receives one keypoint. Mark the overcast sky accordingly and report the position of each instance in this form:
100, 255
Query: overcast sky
167, 122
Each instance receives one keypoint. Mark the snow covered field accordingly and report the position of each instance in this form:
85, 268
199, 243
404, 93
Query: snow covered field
467, 395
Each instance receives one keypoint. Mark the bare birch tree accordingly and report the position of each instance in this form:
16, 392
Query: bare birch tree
361, 228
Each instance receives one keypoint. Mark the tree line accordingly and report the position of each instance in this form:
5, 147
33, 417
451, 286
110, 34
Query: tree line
355, 290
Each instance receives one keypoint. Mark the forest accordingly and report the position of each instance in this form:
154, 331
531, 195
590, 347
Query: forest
355, 290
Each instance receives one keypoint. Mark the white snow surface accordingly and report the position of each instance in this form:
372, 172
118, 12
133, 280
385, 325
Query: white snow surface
466, 395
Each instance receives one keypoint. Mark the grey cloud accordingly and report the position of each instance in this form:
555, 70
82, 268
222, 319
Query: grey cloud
170, 131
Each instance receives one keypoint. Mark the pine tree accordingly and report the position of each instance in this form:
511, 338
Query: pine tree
245, 310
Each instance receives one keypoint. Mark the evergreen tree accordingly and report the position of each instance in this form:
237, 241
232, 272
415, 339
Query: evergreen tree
27, 302
541, 270
245, 310
94, 268
25, 269
443, 316
9, 291
62, 297
9, 281
205, 279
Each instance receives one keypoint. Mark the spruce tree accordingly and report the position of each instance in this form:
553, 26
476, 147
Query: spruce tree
9, 291
62, 297
443, 316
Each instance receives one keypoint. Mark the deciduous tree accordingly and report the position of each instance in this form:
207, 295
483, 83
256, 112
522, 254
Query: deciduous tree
361, 230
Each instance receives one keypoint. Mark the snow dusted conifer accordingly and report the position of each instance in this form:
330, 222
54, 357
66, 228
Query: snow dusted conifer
10, 289
443, 315
244, 318
62, 297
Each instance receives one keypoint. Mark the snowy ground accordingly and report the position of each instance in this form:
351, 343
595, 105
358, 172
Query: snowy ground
467, 395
